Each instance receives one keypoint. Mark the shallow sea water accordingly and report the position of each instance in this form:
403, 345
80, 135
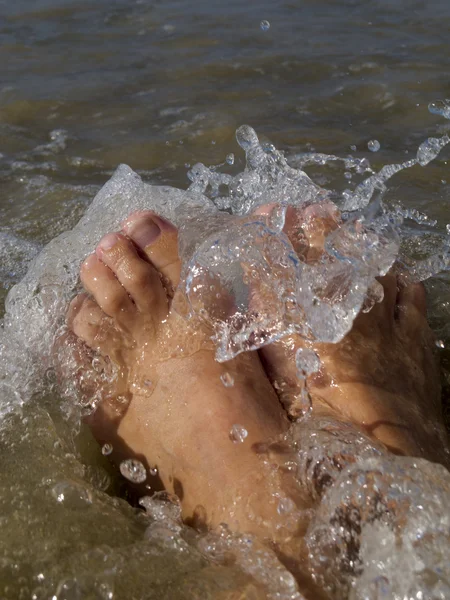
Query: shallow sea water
160, 86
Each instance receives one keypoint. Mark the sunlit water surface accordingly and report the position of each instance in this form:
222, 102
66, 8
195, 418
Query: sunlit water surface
161, 86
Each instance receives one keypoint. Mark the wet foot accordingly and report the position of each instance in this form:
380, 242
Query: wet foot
164, 398
383, 376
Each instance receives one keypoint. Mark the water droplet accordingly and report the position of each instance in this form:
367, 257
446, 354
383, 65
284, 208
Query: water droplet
447, 227
347, 175
227, 379
285, 506
230, 159
162, 506
440, 107
133, 470
353, 148
107, 449
374, 145
72, 494
277, 219
246, 137
97, 364
238, 434
430, 148
307, 362
153, 471
440, 344
265, 25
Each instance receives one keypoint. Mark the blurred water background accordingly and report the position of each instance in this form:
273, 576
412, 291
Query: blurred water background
85, 86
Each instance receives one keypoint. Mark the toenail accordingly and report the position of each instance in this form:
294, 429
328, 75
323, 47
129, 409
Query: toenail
143, 233
134, 217
108, 241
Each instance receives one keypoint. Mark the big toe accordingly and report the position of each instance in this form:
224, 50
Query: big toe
158, 241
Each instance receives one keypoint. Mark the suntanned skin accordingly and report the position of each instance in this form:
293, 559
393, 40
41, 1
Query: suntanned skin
383, 376
168, 406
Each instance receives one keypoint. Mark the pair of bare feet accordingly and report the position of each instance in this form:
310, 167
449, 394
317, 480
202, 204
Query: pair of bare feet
170, 403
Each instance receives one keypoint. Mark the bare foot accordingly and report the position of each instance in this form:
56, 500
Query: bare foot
383, 376
165, 400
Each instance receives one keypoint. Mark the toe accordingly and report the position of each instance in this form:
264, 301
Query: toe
412, 309
105, 288
128, 275
412, 297
385, 311
307, 227
158, 240
278, 359
87, 321
389, 283
319, 220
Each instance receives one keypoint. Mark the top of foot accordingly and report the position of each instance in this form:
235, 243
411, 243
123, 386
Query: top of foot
383, 376
163, 398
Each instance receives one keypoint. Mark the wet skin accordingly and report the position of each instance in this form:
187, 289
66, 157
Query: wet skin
383, 376
167, 404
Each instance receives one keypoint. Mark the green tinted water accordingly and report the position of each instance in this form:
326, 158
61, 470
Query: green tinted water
158, 86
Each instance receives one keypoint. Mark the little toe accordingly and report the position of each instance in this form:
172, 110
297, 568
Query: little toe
390, 287
158, 240
412, 309
412, 296
128, 275
385, 311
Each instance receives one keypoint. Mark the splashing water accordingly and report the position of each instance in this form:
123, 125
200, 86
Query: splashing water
365, 244
307, 362
441, 107
107, 449
238, 434
133, 470
227, 379
388, 532
369, 507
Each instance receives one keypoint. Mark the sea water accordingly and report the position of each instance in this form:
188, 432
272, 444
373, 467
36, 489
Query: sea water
224, 245
321, 83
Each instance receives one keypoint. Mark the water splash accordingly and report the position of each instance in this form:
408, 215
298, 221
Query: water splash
373, 145
441, 108
238, 434
380, 527
107, 449
133, 470
249, 258
314, 300
227, 379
